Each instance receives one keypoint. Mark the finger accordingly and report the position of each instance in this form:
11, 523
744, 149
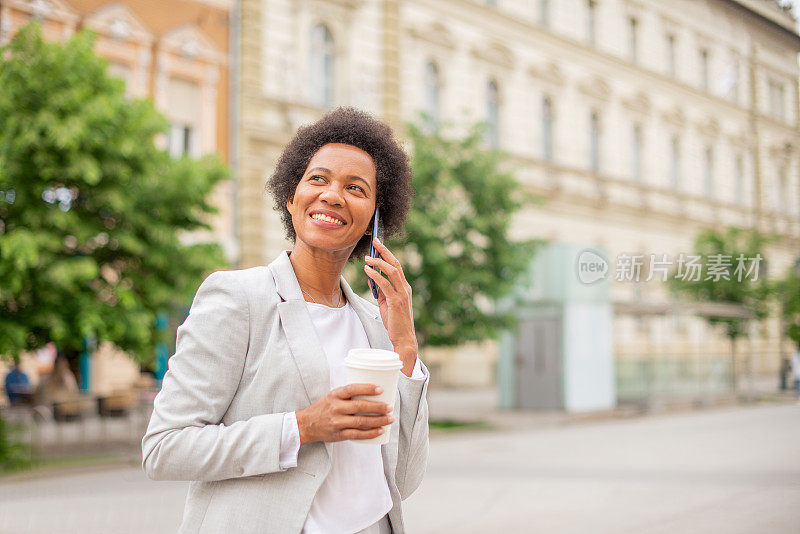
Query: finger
387, 254
366, 406
351, 390
352, 433
365, 422
384, 284
395, 275
392, 259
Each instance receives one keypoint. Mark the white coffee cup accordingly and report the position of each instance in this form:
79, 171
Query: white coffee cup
379, 367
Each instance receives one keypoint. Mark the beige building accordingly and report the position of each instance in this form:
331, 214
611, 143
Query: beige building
640, 122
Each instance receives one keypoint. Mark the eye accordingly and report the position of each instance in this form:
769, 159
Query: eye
316, 176
359, 187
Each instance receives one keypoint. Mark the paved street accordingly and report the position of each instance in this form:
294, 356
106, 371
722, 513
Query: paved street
731, 470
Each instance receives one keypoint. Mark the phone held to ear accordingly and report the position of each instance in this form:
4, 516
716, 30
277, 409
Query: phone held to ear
372, 252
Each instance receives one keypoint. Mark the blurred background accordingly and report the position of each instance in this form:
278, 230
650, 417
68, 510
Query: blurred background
551, 140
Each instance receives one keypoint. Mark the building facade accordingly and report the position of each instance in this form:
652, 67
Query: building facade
174, 52
639, 122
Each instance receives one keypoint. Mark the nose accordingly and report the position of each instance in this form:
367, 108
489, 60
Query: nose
332, 195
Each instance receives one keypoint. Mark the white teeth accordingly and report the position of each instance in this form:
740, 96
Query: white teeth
326, 218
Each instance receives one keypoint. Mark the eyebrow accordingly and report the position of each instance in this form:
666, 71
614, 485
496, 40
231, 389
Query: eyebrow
352, 176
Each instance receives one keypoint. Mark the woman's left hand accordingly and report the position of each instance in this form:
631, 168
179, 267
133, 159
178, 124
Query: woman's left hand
394, 301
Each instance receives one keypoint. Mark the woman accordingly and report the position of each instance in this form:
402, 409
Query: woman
253, 409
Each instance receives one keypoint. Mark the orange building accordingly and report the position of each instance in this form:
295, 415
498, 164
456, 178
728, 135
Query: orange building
174, 52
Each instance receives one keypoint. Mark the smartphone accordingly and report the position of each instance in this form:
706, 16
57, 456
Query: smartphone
372, 252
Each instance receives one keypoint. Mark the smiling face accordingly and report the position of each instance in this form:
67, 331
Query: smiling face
339, 182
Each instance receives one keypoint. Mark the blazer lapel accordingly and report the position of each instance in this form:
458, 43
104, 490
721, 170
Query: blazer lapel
303, 342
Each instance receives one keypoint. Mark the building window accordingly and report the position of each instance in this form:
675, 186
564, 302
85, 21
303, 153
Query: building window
704, 69
709, 172
547, 129
738, 170
432, 88
782, 191
182, 140
634, 37
594, 143
493, 114
322, 76
671, 69
675, 163
123, 72
544, 13
591, 22
776, 99
732, 79
183, 111
637, 153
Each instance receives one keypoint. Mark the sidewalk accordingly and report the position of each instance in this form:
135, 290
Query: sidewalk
481, 404
122, 436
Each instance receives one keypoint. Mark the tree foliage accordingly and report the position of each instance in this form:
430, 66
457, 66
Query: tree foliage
91, 210
456, 252
750, 294
787, 291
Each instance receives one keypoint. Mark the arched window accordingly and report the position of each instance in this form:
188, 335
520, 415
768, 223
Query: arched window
675, 162
547, 129
708, 186
633, 24
493, 114
636, 161
738, 169
594, 142
544, 13
591, 22
432, 88
322, 75
782, 189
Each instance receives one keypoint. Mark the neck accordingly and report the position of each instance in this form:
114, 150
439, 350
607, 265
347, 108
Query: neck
318, 271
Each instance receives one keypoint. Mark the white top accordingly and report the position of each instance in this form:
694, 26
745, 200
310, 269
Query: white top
356, 468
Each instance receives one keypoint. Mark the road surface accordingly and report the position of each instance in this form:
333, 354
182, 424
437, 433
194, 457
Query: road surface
732, 470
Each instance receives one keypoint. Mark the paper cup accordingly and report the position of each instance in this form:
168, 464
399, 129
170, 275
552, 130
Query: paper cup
379, 367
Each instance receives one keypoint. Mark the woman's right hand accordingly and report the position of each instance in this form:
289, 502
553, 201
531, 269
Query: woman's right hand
332, 418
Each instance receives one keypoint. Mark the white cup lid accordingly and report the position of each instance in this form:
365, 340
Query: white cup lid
377, 359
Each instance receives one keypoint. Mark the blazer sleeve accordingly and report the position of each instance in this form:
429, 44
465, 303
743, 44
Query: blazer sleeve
413, 448
185, 439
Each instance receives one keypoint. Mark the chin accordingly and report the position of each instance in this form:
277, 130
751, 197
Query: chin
327, 245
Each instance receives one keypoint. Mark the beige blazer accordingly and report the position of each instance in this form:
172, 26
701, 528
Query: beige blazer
246, 354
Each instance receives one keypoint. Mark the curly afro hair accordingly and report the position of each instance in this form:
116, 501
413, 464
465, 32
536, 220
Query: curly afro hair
356, 128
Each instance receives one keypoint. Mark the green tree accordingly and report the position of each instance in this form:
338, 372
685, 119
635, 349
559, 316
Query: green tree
722, 254
91, 211
787, 291
456, 251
